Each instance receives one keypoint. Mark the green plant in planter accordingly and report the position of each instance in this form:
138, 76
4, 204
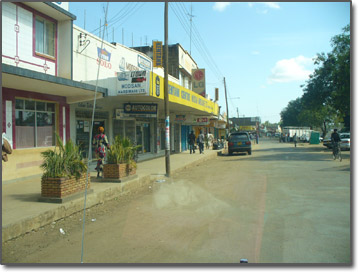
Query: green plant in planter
122, 151
64, 161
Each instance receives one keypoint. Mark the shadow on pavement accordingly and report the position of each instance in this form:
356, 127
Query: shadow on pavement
285, 156
27, 197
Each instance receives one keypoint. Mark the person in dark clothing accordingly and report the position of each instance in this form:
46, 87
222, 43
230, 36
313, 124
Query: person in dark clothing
335, 139
191, 141
201, 139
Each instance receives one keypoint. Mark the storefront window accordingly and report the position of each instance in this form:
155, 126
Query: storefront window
35, 123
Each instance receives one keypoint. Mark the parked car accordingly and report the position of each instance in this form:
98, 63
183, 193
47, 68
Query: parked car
346, 141
327, 141
239, 142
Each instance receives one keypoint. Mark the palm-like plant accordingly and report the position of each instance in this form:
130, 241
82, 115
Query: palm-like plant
64, 161
122, 151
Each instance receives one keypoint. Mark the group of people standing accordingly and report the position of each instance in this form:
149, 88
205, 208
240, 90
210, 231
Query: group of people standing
200, 141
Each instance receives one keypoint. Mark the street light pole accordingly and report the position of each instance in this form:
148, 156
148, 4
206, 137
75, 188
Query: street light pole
166, 94
227, 109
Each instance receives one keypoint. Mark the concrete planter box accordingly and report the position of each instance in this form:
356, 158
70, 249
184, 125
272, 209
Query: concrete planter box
63, 187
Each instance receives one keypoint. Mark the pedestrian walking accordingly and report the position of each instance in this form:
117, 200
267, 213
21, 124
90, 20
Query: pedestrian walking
257, 137
101, 142
295, 139
201, 139
191, 141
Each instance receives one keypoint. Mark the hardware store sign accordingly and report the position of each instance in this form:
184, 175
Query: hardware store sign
135, 82
140, 110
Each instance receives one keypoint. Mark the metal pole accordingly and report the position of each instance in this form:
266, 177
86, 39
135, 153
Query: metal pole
227, 109
166, 93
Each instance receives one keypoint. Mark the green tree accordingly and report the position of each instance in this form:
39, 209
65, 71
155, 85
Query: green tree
289, 115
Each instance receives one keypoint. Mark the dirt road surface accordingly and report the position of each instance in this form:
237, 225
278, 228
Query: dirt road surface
279, 205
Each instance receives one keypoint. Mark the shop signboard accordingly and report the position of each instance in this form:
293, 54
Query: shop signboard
130, 83
199, 81
180, 118
157, 54
140, 110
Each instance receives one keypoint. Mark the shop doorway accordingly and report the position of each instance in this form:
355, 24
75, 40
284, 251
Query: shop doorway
83, 134
143, 137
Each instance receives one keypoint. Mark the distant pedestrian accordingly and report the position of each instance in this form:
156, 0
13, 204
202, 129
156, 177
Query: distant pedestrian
101, 143
201, 139
288, 137
191, 141
295, 139
257, 137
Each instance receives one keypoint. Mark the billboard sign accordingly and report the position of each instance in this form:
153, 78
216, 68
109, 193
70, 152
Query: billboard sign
199, 81
135, 82
140, 109
157, 54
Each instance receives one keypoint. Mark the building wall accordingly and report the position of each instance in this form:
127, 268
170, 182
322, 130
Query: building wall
18, 47
114, 59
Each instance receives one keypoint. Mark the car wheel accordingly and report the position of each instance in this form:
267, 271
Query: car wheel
230, 152
249, 152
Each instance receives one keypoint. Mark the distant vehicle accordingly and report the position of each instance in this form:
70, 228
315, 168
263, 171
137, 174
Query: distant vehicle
304, 138
327, 141
345, 143
239, 142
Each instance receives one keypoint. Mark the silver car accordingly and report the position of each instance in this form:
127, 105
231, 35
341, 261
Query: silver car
345, 141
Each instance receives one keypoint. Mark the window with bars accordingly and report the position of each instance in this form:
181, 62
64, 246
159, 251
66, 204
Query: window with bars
35, 123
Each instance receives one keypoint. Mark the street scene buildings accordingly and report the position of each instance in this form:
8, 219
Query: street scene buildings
49, 75
86, 131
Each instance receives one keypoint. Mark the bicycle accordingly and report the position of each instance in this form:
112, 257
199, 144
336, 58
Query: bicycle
337, 151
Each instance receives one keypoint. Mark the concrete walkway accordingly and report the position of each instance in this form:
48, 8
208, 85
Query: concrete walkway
22, 212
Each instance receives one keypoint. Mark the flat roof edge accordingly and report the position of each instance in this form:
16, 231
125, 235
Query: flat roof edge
9, 69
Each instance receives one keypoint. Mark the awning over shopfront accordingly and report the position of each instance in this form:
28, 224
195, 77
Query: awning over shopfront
149, 87
28, 80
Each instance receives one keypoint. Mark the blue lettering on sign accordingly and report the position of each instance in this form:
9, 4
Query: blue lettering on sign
194, 99
185, 95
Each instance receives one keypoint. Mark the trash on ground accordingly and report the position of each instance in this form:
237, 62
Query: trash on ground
161, 180
93, 219
62, 231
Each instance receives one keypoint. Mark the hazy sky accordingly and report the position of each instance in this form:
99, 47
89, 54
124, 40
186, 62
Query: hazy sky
264, 50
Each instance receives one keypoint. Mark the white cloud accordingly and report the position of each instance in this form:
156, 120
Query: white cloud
288, 70
273, 5
221, 6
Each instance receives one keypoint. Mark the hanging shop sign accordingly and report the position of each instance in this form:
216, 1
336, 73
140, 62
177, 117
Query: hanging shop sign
140, 110
180, 118
199, 81
157, 54
136, 82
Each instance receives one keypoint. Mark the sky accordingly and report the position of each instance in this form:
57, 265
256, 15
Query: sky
264, 50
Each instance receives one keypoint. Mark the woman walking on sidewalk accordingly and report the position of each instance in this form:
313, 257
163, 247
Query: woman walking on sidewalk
101, 143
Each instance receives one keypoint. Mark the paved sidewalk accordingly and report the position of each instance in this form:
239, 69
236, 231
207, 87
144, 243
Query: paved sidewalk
22, 212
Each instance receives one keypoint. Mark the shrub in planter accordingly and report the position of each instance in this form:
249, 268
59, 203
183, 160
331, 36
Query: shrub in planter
64, 170
120, 160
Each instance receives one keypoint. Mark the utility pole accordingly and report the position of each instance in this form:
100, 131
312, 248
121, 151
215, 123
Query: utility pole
166, 93
191, 20
227, 108
84, 20
123, 36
